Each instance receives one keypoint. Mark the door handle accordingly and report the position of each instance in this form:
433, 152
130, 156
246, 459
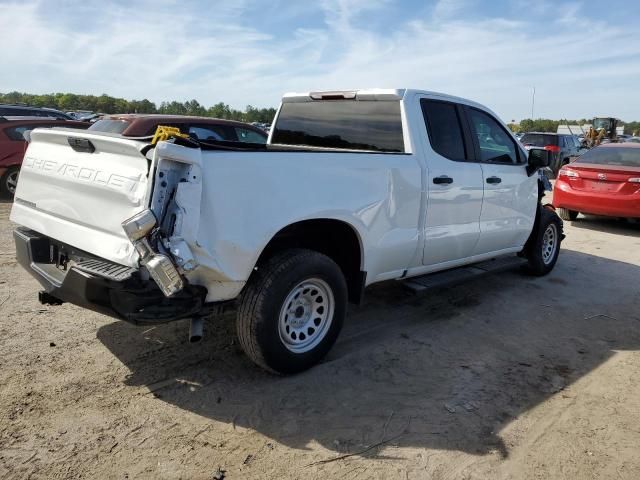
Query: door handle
494, 180
442, 179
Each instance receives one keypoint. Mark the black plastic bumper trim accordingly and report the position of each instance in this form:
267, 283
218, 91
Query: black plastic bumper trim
134, 300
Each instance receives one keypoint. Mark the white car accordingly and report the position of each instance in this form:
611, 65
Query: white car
353, 188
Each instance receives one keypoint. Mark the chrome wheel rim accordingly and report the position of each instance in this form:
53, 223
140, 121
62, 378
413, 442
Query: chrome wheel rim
549, 243
12, 182
306, 315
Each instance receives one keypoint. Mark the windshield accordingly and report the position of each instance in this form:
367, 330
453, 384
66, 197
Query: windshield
539, 140
622, 156
343, 124
599, 123
110, 126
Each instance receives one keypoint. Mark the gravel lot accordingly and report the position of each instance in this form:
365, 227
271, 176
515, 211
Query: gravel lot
504, 377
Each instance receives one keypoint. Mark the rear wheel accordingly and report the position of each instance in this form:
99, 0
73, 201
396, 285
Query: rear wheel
566, 214
544, 248
292, 311
9, 182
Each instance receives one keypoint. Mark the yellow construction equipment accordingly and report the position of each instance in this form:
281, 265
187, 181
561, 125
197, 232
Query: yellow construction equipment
164, 133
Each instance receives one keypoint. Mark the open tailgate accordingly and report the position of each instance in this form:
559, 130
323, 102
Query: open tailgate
77, 187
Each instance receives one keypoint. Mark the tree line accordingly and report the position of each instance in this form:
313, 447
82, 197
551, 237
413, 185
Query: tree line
548, 125
108, 104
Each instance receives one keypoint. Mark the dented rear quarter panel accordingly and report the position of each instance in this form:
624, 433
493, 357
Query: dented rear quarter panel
247, 197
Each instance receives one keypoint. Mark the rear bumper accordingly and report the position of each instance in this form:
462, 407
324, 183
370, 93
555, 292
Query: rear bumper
109, 288
627, 206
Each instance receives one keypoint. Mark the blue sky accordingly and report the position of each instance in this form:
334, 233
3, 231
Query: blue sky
582, 57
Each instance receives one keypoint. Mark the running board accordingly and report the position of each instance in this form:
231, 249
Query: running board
447, 278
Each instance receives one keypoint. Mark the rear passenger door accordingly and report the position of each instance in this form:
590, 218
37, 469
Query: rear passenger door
510, 195
454, 185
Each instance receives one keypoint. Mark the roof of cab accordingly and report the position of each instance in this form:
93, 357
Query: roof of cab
369, 94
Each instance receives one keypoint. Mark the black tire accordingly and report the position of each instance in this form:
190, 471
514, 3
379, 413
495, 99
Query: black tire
259, 321
540, 259
565, 214
9, 181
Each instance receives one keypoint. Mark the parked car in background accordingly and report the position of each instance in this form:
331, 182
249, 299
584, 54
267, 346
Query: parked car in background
603, 181
198, 128
13, 146
633, 140
563, 147
17, 110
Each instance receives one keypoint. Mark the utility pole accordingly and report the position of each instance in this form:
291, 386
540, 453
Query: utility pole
533, 101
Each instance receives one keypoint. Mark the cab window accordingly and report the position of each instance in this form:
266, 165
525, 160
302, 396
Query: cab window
495, 144
444, 129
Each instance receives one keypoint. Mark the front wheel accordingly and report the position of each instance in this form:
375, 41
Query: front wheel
292, 311
544, 247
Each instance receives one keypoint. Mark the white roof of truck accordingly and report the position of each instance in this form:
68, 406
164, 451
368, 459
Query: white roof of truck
379, 94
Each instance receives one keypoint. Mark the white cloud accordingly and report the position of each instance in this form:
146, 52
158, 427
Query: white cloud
166, 50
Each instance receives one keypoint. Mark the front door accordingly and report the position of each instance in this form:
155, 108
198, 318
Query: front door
510, 195
454, 185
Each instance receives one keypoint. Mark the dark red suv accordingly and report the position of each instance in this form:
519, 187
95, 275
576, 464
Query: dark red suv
13, 145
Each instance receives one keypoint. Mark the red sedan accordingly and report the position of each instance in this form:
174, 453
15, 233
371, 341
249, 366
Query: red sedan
602, 181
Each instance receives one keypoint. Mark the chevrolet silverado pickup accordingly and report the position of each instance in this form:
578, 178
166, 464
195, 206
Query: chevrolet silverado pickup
352, 188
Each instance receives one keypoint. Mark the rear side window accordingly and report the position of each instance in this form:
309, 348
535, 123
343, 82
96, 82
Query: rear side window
539, 140
212, 132
250, 136
496, 145
17, 133
343, 124
444, 129
109, 125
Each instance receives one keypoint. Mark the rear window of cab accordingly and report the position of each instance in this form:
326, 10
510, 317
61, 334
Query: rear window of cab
341, 124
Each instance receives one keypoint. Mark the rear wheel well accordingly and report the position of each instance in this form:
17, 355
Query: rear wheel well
333, 238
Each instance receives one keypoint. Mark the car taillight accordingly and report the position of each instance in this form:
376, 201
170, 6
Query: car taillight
634, 180
565, 172
552, 148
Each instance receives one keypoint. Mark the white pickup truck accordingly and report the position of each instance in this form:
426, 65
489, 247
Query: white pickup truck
353, 188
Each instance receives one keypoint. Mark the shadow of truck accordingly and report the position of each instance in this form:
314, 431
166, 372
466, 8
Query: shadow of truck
444, 371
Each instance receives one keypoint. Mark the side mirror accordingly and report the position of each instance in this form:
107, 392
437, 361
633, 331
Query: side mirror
538, 158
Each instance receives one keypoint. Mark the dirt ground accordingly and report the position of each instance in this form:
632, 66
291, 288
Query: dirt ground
505, 377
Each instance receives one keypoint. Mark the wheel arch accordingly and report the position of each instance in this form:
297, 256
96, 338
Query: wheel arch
337, 239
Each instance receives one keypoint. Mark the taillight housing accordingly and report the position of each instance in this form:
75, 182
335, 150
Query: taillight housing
634, 180
566, 172
552, 148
